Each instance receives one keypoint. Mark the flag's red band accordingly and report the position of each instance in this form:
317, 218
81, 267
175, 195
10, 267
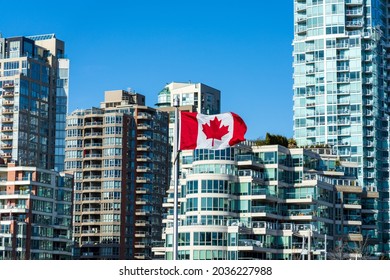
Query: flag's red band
239, 130
188, 130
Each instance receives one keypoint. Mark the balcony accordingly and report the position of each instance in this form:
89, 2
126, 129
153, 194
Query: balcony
17, 194
92, 231
93, 199
7, 111
143, 126
352, 203
253, 243
9, 209
92, 177
345, 132
262, 191
142, 191
8, 102
258, 211
7, 120
301, 30
354, 13
92, 166
343, 122
367, 69
247, 160
141, 212
93, 144
143, 148
368, 103
141, 223
141, 234
139, 256
300, 8
252, 174
143, 137
342, 45
342, 57
86, 210
367, 58
93, 134
294, 198
143, 158
144, 116
343, 80
298, 215
6, 146
96, 123
342, 68
143, 180
88, 188
93, 156
301, 19
354, 2
87, 221
8, 85
354, 24
90, 243
343, 112
143, 169
6, 128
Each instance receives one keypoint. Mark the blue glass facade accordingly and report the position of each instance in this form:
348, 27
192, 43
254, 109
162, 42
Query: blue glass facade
33, 100
340, 88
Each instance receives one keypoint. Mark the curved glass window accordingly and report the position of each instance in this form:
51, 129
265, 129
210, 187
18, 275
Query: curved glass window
228, 169
203, 154
215, 186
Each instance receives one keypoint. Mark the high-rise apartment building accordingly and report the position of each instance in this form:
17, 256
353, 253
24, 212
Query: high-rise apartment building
33, 100
119, 155
35, 200
193, 97
270, 202
205, 99
341, 90
35, 213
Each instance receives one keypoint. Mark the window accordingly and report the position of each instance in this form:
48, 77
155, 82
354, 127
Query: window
184, 239
214, 186
192, 204
214, 204
210, 239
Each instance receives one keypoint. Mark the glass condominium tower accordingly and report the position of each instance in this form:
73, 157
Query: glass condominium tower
341, 91
34, 76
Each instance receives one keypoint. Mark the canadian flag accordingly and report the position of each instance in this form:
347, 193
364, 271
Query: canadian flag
198, 131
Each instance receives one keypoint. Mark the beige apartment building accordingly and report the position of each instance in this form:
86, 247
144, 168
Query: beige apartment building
119, 155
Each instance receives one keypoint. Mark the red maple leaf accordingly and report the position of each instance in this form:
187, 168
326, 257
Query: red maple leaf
215, 130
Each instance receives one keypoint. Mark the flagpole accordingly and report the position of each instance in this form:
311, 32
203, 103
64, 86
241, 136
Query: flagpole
176, 104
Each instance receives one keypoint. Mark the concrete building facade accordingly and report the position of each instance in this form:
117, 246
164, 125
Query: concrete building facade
119, 154
35, 213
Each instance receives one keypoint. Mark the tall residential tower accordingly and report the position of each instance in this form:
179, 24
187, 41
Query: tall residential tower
33, 100
341, 91
119, 154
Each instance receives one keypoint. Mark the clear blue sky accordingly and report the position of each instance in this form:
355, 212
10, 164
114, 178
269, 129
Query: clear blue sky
242, 48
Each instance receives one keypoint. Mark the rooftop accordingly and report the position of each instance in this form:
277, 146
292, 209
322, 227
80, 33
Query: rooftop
41, 37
